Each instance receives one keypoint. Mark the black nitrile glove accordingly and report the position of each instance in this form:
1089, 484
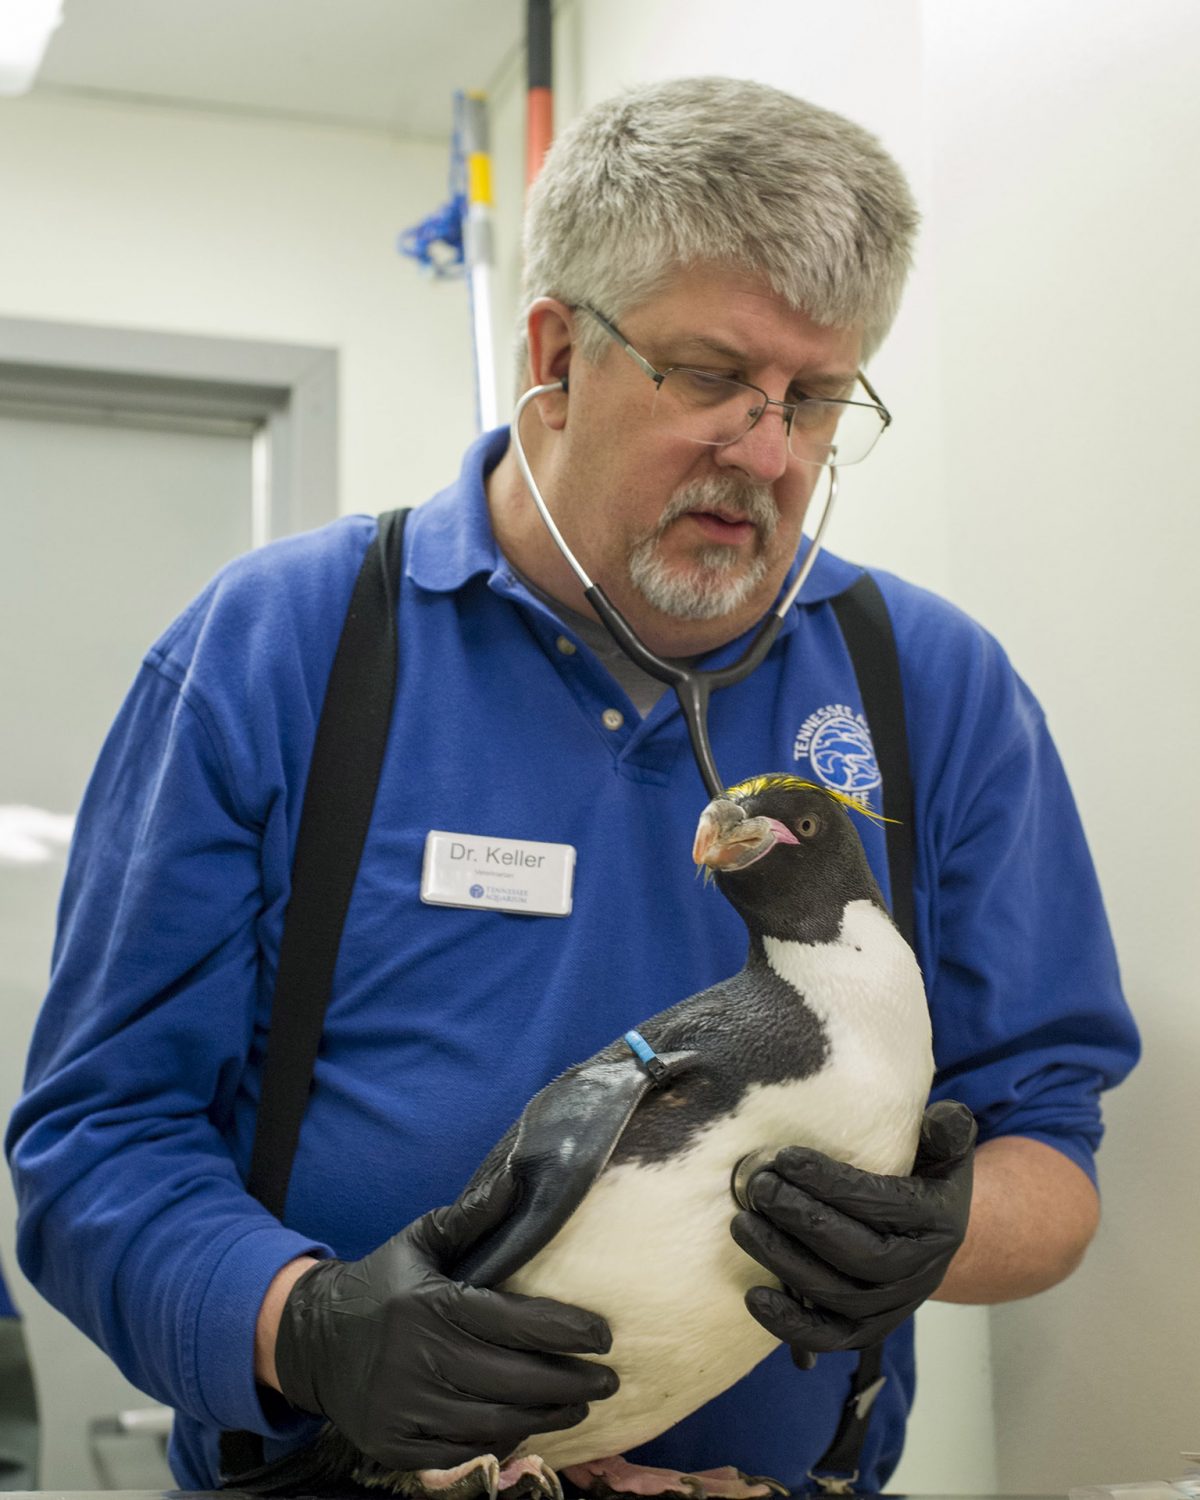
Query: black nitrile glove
420, 1371
856, 1253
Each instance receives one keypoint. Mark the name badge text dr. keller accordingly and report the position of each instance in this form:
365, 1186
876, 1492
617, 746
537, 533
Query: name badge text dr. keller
517, 875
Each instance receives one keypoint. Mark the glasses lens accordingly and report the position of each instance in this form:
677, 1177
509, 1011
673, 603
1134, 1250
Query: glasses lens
834, 432
705, 408
714, 410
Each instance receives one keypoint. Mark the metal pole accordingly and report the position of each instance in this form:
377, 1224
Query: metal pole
539, 131
479, 254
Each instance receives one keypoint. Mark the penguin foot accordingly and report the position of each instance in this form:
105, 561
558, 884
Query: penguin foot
529, 1478
728, 1483
478, 1476
614, 1478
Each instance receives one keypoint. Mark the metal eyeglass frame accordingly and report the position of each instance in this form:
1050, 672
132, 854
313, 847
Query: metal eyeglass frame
693, 685
787, 408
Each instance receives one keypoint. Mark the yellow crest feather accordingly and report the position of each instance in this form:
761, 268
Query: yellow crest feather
782, 781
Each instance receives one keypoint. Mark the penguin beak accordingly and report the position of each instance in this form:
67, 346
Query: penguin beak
726, 839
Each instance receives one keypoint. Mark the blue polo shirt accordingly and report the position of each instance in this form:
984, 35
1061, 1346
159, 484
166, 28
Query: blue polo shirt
133, 1138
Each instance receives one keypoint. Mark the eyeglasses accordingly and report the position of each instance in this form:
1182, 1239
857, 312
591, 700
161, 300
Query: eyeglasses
718, 410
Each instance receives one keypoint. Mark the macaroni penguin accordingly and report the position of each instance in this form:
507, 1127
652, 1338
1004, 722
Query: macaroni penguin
630, 1165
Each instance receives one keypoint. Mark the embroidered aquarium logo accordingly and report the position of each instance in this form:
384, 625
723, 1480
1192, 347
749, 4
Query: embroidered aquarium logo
837, 744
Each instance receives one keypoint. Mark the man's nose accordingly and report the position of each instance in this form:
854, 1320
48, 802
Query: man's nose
762, 453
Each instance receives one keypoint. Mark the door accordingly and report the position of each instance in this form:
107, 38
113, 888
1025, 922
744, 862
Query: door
111, 520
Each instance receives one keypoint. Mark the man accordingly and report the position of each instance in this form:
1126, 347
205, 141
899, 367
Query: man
709, 226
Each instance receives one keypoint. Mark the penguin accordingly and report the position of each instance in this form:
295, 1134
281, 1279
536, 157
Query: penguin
631, 1164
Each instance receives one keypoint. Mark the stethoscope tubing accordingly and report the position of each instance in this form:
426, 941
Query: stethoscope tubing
693, 685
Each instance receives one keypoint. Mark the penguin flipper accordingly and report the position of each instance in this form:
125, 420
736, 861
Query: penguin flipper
561, 1144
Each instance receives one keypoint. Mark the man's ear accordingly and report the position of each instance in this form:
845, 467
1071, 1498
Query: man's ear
549, 329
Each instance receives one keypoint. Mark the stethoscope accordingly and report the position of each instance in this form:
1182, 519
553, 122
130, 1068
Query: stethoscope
693, 686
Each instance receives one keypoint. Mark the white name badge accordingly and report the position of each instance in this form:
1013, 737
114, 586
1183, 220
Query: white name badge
520, 875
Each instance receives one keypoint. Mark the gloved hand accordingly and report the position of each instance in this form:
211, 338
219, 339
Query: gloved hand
420, 1371
856, 1253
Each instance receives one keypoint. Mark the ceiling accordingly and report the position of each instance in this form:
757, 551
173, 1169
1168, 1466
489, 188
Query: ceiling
384, 65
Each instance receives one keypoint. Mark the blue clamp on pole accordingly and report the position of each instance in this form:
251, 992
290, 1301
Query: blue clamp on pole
646, 1055
436, 243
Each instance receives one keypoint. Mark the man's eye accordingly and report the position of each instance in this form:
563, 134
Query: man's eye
701, 387
816, 416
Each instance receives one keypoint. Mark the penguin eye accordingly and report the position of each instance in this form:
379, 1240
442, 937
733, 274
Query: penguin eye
809, 826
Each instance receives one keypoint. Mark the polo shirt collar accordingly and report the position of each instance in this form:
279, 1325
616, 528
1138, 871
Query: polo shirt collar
452, 541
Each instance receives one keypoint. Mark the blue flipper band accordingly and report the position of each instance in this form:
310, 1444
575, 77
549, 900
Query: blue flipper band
646, 1055
639, 1046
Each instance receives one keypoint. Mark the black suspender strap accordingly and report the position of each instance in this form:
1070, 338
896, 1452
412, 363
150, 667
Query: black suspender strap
866, 627
338, 798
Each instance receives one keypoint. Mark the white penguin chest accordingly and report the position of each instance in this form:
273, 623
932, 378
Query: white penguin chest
865, 1104
650, 1248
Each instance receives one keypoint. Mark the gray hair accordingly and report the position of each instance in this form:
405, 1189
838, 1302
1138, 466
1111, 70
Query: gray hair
725, 171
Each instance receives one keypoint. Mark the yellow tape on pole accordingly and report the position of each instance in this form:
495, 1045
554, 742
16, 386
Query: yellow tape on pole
479, 178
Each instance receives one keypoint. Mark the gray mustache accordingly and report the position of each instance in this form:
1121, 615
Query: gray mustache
754, 503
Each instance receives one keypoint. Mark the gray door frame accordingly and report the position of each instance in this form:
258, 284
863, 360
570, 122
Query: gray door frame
285, 394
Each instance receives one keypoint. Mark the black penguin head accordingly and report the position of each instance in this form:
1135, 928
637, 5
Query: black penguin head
787, 855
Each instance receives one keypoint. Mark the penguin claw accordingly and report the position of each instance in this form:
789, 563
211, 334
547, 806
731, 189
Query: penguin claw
477, 1477
732, 1482
529, 1476
616, 1479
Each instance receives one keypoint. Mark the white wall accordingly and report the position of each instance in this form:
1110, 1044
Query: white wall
1065, 145
1041, 373
218, 224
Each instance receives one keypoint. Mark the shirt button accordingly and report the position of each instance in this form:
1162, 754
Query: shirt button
612, 718
565, 645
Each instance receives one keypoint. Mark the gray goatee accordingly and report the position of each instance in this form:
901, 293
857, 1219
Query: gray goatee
715, 580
